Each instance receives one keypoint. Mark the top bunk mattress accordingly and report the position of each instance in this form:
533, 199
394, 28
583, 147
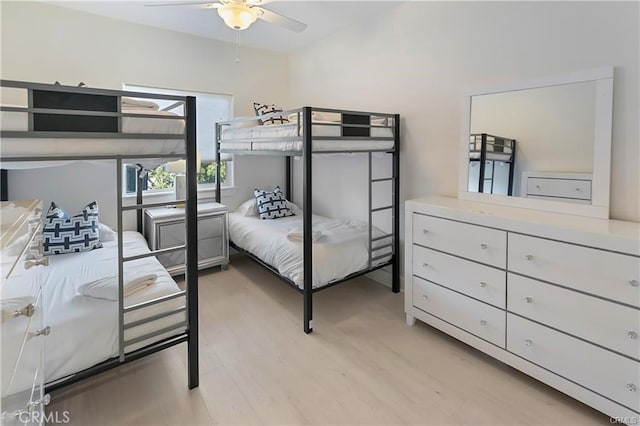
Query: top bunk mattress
99, 146
288, 137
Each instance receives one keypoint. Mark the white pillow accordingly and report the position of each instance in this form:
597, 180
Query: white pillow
15, 248
106, 233
248, 208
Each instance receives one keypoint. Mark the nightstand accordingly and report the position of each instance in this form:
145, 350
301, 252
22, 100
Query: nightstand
165, 227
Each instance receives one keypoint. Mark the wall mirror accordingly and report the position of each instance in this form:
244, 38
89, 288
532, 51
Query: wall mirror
542, 144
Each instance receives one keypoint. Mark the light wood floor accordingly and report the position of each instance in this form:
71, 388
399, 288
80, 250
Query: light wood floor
361, 365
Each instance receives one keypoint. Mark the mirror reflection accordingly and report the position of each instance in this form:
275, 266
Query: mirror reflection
535, 143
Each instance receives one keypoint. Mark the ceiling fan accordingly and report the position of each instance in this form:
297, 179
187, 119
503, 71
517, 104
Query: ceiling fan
240, 14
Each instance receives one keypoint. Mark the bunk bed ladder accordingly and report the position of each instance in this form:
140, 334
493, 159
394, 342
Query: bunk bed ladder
386, 241
190, 295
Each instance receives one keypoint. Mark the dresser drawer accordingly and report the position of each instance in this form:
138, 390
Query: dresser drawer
610, 275
475, 317
611, 375
473, 242
210, 226
606, 323
473, 279
563, 188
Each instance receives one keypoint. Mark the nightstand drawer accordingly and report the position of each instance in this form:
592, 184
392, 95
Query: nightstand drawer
210, 226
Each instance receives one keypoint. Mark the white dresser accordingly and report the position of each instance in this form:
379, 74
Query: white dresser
555, 296
22, 325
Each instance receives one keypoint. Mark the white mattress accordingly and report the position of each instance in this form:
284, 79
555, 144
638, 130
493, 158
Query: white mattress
18, 121
84, 330
249, 138
342, 250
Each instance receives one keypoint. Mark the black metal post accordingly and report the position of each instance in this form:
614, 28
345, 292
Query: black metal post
306, 222
512, 164
287, 185
139, 189
395, 280
4, 186
192, 242
218, 164
483, 157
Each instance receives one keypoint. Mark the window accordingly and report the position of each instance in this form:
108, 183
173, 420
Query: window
211, 108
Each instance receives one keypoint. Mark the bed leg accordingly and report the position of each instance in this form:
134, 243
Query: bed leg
308, 312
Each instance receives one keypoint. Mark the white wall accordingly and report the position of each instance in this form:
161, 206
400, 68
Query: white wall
45, 43
554, 127
419, 59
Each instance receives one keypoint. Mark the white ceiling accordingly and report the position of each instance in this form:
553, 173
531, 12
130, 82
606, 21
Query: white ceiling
322, 17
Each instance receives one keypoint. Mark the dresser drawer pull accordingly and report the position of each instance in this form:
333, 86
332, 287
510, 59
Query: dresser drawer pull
483, 322
632, 335
483, 246
528, 342
425, 231
425, 297
528, 300
529, 257
634, 283
425, 265
44, 332
30, 263
483, 284
631, 387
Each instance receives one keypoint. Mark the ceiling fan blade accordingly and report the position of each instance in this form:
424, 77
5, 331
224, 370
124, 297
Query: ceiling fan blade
283, 21
197, 5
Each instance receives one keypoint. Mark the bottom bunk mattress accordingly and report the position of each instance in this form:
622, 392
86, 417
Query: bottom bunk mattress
85, 329
341, 247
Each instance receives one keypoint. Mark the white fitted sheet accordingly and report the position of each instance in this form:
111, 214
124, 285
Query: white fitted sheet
250, 138
342, 250
84, 330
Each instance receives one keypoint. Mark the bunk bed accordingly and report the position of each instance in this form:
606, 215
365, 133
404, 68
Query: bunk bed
308, 132
491, 164
61, 125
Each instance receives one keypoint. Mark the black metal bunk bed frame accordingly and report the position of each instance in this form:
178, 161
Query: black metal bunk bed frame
113, 130
355, 125
505, 143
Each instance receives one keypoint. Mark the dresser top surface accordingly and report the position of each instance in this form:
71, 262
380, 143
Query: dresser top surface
551, 225
167, 212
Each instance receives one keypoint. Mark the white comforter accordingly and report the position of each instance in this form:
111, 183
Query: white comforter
342, 250
84, 330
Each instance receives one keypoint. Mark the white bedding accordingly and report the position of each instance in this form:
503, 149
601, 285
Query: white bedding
84, 330
248, 138
342, 250
18, 121
497, 156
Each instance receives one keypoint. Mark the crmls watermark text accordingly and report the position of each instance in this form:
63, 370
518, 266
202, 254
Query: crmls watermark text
51, 418
631, 420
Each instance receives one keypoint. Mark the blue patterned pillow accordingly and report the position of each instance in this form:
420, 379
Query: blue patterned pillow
64, 234
272, 204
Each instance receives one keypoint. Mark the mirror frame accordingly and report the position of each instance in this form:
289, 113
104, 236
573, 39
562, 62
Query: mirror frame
600, 185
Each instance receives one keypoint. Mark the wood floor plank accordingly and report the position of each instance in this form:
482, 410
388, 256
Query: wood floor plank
361, 365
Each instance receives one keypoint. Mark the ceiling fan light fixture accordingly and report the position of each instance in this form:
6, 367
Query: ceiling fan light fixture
237, 16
